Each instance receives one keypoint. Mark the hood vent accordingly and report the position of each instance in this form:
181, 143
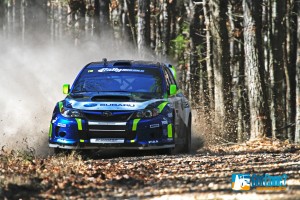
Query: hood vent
111, 98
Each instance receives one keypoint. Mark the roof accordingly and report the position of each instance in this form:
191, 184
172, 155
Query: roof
123, 63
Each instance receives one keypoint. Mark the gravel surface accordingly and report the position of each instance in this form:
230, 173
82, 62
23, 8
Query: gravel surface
130, 175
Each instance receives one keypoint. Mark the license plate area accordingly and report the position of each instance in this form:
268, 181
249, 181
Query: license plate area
107, 140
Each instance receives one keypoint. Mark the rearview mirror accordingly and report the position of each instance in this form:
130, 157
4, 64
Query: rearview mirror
173, 89
66, 88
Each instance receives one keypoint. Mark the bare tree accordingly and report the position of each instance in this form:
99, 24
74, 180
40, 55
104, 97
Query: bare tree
222, 77
143, 33
290, 68
297, 133
259, 117
2, 15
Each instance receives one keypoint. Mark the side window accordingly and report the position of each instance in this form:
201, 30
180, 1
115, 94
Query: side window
167, 78
171, 77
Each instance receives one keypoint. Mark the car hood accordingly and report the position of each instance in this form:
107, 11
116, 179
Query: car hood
108, 101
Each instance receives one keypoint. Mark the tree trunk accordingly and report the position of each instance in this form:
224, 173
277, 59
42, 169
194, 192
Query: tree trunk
297, 133
2, 15
36, 29
276, 69
220, 50
209, 66
97, 17
290, 68
104, 16
194, 55
165, 22
143, 35
129, 20
259, 117
240, 100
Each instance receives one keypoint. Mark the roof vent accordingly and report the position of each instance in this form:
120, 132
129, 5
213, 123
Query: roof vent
122, 63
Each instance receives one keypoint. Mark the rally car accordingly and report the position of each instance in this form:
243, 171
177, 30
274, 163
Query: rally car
122, 104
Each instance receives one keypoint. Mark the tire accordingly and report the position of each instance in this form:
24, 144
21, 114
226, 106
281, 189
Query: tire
188, 137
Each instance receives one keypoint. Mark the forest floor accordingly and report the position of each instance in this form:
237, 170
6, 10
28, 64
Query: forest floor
205, 174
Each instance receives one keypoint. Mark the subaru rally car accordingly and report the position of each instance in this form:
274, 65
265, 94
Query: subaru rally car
122, 104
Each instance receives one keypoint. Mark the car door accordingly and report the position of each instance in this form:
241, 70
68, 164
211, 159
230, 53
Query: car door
175, 101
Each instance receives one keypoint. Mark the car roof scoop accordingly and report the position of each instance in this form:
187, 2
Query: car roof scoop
112, 98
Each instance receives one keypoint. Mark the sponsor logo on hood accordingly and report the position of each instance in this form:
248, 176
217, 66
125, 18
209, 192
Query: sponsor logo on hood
85, 105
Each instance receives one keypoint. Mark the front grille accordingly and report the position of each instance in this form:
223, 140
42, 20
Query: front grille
104, 129
115, 116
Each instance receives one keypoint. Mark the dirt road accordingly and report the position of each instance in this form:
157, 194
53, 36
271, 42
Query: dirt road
203, 175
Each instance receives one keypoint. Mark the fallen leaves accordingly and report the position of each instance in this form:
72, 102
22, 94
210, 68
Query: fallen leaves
71, 176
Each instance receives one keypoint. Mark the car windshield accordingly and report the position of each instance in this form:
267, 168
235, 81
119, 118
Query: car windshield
134, 80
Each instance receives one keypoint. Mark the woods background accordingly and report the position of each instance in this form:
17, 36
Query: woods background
238, 60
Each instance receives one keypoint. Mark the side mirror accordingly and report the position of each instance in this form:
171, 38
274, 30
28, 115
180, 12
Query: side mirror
173, 89
66, 88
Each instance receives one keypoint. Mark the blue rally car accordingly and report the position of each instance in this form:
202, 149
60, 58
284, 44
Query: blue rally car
123, 105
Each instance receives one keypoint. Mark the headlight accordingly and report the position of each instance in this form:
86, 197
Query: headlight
66, 112
147, 113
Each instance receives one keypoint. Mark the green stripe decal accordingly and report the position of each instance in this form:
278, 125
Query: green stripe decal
175, 73
50, 130
170, 133
134, 125
79, 124
162, 106
81, 140
60, 105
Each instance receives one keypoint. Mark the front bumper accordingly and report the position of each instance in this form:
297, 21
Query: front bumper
74, 133
114, 146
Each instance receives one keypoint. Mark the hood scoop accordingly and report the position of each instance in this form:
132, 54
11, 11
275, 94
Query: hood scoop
111, 98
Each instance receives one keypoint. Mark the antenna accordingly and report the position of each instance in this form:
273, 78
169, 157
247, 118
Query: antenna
104, 61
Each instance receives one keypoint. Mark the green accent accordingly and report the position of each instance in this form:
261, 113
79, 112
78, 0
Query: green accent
162, 106
50, 130
173, 89
81, 140
165, 95
174, 72
132, 141
134, 125
79, 124
66, 88
89, 71
60, 105
170, 132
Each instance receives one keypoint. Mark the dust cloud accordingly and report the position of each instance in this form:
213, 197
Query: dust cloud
31, 81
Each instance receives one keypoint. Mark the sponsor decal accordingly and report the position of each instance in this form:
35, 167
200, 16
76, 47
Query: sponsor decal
107, 140
117, 104
62, 125
242, 182
154, 125
90, 105
89, 71
120, 70
153, 141
164, 122
54, 120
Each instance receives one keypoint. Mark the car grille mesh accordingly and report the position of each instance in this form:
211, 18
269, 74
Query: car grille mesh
114, 116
